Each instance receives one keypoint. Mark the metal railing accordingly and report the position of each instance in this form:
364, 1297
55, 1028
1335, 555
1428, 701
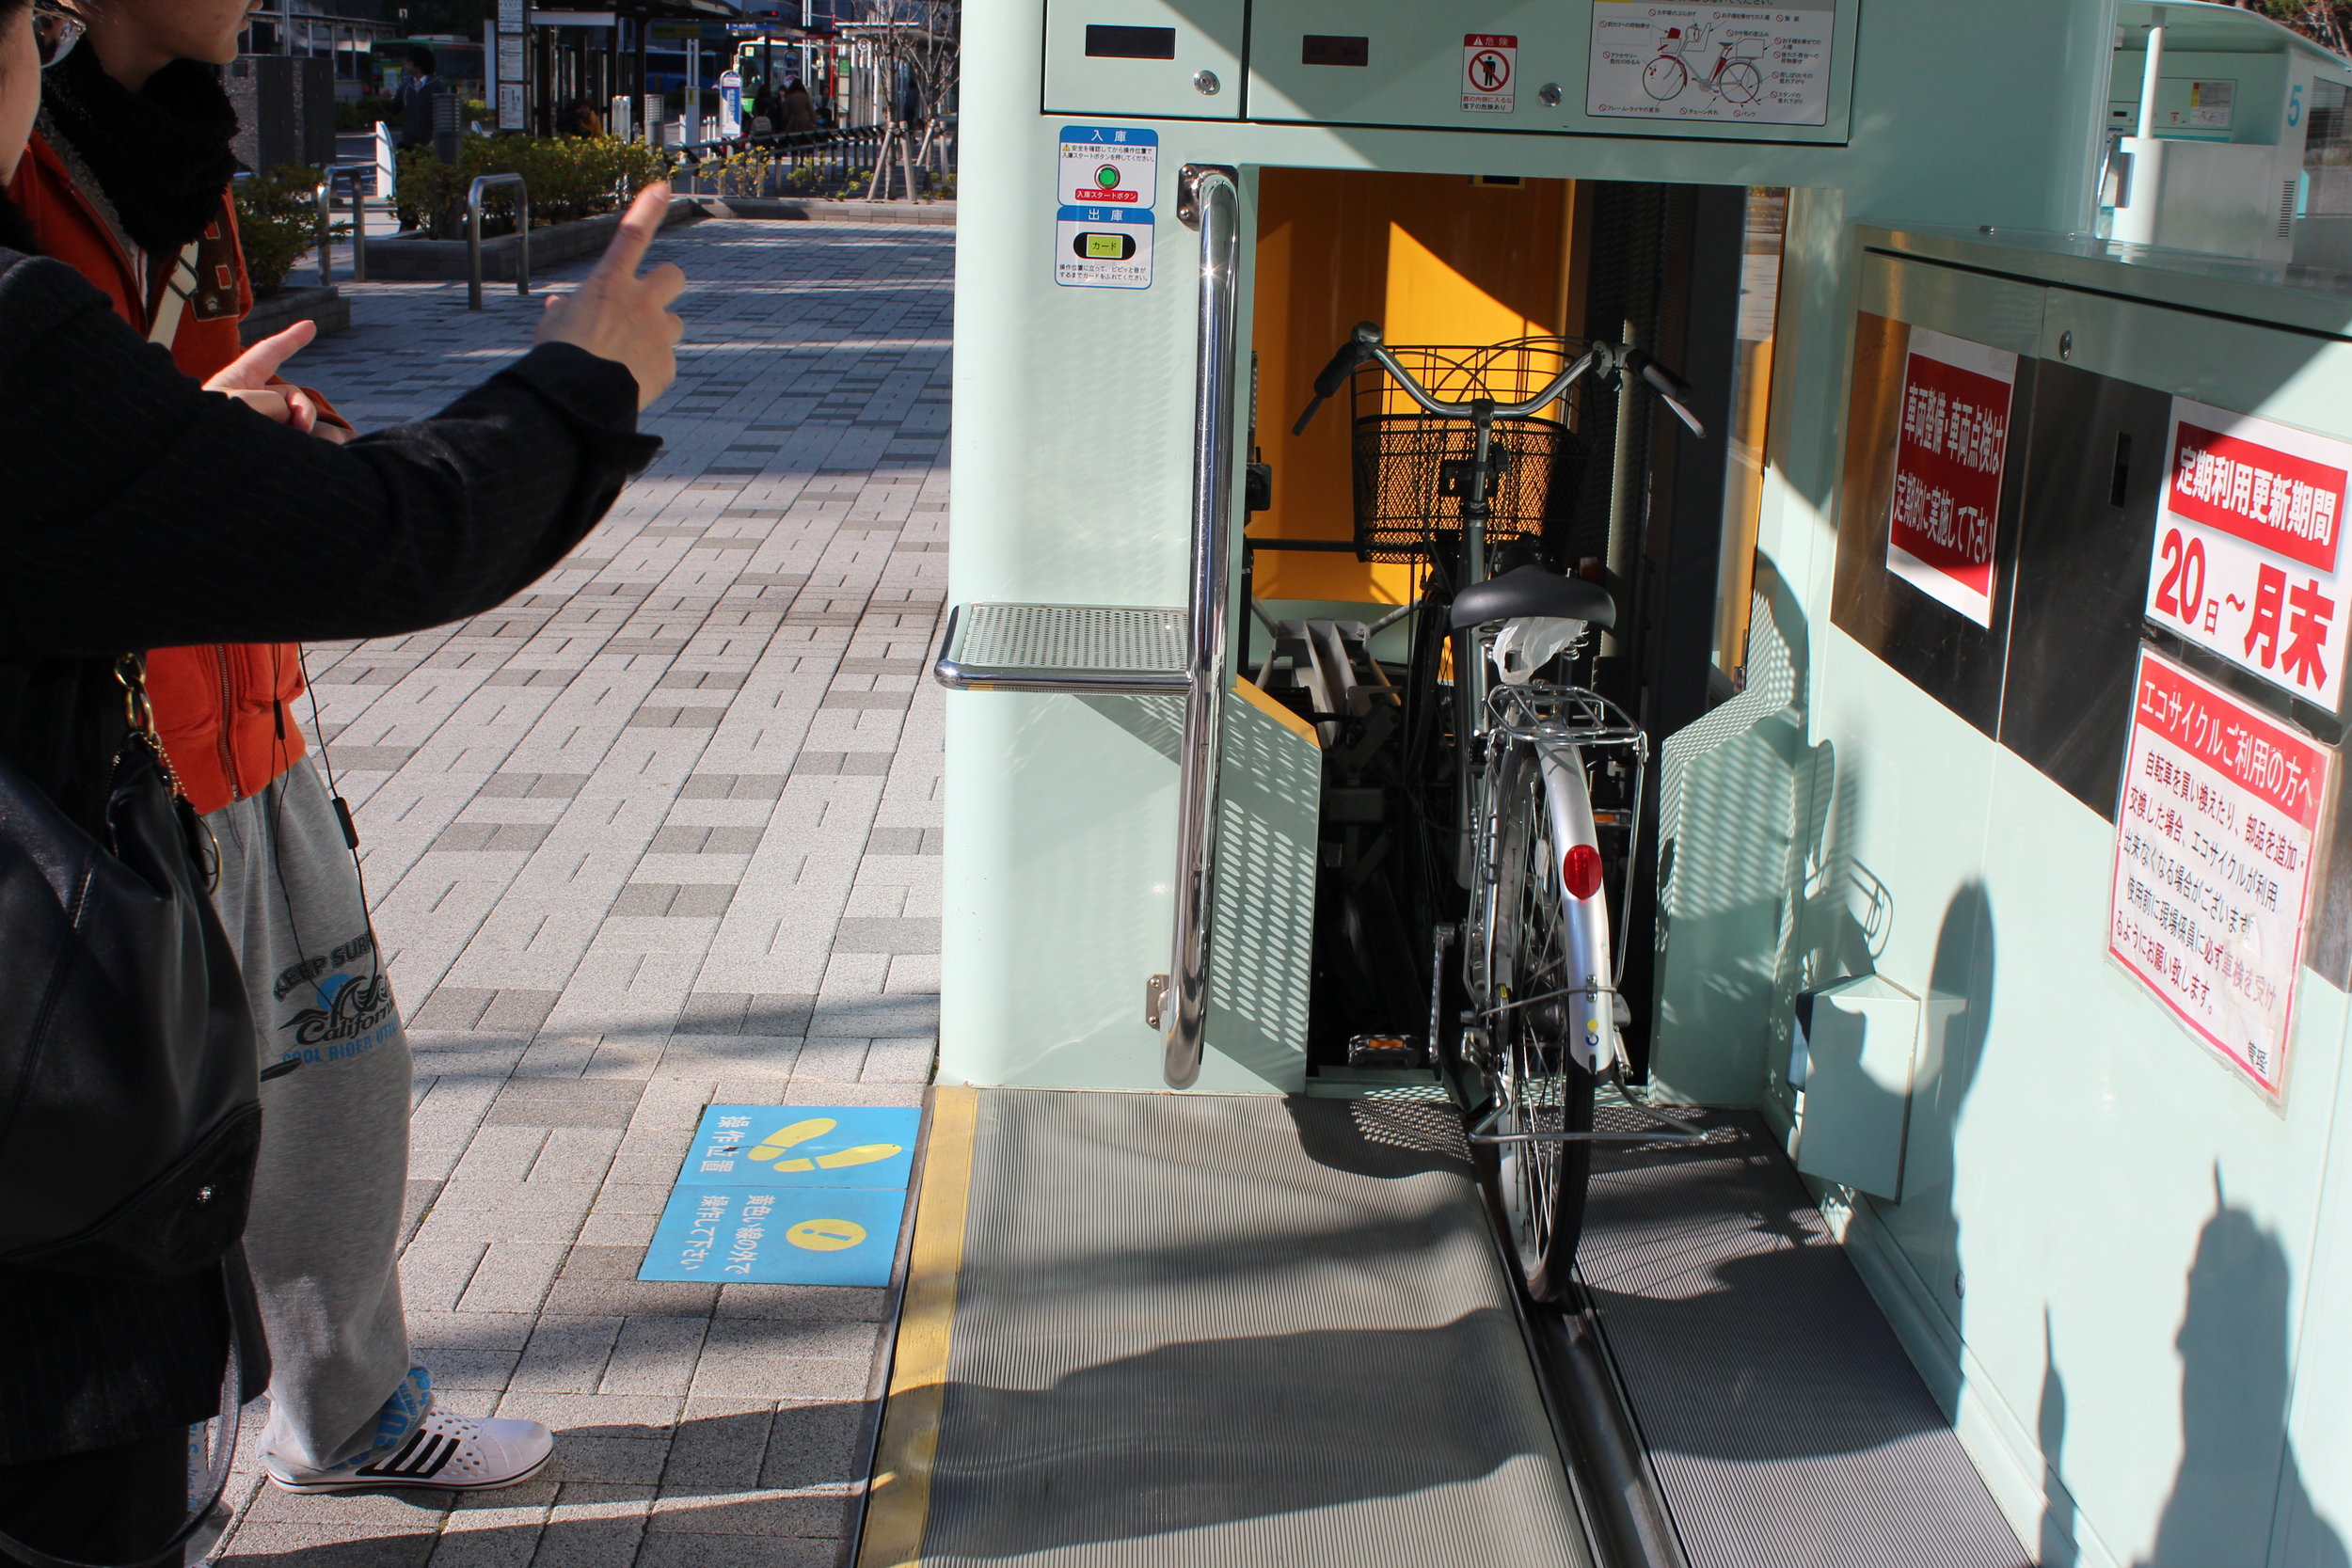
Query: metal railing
1144, 651
473, 234
1208, 201
359, 174
833, 155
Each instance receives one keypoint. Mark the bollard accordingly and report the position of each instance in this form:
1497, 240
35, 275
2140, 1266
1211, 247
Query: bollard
357, 174
326, 231
474, 235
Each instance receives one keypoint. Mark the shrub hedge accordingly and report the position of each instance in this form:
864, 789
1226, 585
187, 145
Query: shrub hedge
568, 177
277, 224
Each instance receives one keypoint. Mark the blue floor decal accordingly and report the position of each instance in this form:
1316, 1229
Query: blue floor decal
789, 1195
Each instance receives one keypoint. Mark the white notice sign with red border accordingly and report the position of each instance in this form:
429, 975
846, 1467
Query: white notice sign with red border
2247, 548
1490, 65
2214, 836
1951, 452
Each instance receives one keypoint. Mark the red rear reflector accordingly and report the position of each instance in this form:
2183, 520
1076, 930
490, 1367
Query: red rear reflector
1579, 870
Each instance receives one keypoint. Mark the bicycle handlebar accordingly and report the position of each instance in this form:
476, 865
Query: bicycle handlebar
1613, 361
1359, 347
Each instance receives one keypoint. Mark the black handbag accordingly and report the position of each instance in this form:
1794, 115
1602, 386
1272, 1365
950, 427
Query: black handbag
129, 1095
130, 1109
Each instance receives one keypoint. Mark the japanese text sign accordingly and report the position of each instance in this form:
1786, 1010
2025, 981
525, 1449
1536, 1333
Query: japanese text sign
2214, 838
748, 1235
2247, 550
1950, 451
1110, 165
790, 1195
1490, 62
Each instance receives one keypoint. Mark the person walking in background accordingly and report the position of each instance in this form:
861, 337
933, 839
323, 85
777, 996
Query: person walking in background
417, 89
800, 110
126, 180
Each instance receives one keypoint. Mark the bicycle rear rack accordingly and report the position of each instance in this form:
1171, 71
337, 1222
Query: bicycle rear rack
1109, 649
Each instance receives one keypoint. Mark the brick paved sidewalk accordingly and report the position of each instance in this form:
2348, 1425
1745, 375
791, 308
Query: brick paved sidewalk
661, 832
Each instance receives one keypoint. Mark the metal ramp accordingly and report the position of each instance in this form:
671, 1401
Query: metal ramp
1784, 1424
1210, 1330
1144, 1331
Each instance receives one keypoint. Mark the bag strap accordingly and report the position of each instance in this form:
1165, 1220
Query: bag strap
224, 1449
175, 301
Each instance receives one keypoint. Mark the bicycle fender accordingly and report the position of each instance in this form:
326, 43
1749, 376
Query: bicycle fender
1583, 922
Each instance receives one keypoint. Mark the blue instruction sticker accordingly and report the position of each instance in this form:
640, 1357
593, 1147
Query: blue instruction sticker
1102, 248
770, 1236
792, 1146
1110, 165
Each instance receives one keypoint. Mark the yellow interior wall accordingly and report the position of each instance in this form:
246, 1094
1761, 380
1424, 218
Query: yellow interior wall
1434, 258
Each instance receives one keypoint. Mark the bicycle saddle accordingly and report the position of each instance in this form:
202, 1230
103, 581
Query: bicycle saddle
1532, 590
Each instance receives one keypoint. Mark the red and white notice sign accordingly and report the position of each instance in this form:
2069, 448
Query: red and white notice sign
1950, 455
2247, 546
1489, 63
2213, 858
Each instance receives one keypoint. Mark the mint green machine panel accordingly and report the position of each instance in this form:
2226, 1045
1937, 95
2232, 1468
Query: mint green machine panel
2120, 1264
1103, 79
1607, 68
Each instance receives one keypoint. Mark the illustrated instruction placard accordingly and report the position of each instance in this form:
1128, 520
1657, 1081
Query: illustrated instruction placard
1759, 65
2247, 546
1490, 66
1109, 166
1102, 248
792, 1195
803, 1145
768, 1236
1950, 451
2214, 838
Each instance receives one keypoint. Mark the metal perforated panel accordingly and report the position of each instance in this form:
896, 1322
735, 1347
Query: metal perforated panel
1068, 637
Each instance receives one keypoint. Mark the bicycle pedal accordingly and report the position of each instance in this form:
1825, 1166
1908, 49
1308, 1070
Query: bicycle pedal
1384, 1050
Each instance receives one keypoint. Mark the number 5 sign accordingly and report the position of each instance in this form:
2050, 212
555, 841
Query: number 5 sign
2249, 547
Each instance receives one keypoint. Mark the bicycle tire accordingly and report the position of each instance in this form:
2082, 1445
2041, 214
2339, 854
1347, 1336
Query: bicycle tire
1742, 82
1654, 80
1539, 1087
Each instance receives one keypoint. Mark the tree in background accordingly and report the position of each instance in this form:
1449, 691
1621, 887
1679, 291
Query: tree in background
2327, 22
918, 45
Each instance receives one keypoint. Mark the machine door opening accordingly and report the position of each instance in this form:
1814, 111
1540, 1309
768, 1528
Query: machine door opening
1491, 288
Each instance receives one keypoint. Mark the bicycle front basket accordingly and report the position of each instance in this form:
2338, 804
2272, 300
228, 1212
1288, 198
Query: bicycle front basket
1412, 478
1412, 470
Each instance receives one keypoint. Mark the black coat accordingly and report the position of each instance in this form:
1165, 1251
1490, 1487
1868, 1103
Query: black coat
138, 510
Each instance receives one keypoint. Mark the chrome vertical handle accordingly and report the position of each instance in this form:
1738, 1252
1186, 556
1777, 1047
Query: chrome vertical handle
1209, 201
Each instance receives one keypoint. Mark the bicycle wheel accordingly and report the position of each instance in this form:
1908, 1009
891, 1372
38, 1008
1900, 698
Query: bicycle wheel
1665, 77
1741, 82
1539, 1085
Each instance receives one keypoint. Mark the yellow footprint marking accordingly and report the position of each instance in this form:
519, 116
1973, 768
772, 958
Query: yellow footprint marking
783, 1138
825, 1235
863, 1155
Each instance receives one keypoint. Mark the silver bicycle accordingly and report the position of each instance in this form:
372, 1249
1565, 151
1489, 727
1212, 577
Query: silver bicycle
1541, 959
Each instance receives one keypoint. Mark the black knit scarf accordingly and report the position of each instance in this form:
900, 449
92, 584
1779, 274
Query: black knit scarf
161, 155
15, 234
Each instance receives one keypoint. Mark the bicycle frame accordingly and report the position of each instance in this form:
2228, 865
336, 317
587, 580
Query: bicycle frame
1561, 722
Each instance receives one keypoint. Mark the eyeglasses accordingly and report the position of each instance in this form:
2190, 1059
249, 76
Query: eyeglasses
55, 34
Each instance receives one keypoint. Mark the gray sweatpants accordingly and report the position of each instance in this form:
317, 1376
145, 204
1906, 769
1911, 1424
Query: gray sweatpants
327, 1200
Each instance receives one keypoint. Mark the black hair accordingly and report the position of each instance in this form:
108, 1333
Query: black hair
418, 57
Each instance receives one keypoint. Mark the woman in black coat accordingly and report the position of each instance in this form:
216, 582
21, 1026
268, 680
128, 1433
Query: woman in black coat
139, 510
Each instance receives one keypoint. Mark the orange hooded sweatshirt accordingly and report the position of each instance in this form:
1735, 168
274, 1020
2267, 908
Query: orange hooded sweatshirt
224, 710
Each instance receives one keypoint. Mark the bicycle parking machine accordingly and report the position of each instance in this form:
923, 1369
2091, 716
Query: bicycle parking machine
1995, 315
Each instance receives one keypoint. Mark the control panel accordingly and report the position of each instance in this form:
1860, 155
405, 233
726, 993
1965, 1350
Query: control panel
1719, 70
